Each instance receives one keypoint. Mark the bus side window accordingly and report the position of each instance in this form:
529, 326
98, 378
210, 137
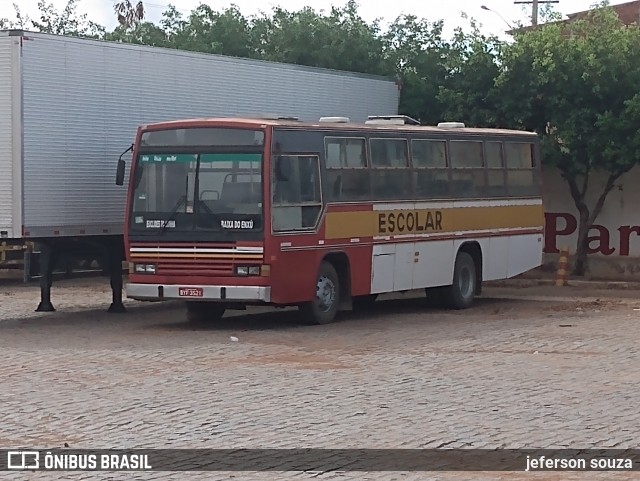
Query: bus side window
391, 177
494, 159
468, 173
430, 174
522, 177
347, 177
297, 200
286, 189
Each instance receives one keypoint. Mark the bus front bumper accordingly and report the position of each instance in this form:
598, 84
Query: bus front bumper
161, 292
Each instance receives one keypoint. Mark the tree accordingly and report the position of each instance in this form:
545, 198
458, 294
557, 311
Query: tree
129, 14
416, 51
21, 21
468, 93
66, 22
576, 85
339, 40
226, 32
144, 33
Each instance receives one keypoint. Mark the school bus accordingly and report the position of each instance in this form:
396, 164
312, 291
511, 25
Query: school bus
230, 212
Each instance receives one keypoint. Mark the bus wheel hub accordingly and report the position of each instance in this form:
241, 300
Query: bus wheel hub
326, 293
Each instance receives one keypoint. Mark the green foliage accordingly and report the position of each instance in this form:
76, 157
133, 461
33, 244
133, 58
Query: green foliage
225, 32
415, 50
577, 86
339, 40
143, 33
66, 22
468, 93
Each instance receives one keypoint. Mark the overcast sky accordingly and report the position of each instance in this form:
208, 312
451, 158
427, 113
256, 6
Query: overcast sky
101, 11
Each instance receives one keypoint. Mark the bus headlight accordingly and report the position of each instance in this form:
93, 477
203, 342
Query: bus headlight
248, 270
144, 268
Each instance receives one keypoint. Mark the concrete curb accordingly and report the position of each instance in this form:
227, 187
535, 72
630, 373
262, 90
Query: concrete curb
613, 285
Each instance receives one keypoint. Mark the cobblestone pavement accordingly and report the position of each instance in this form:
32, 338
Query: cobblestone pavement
526, 368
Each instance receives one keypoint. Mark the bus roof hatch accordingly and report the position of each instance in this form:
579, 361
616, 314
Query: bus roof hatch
335, 120
391, 120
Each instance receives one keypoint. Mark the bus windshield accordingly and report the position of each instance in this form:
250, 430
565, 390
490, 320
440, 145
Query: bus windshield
180, 191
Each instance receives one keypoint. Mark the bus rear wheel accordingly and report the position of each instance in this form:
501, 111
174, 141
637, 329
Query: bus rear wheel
324, 307
204, 311
461, 293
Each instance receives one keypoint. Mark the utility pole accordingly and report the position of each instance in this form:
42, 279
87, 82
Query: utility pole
534, 8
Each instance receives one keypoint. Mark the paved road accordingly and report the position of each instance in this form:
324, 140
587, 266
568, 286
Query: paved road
525, 368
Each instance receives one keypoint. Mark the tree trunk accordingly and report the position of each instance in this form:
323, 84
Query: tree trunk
587, 217
582, 245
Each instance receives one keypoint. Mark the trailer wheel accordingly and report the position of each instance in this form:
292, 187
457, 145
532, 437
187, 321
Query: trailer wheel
461, 293
198, 312
323, 309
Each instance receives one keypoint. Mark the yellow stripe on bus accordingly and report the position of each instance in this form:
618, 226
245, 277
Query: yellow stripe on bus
341, 225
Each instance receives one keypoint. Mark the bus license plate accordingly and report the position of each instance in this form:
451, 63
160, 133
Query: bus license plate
190, 292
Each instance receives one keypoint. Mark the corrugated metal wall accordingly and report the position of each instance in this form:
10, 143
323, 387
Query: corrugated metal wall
6, 151
84, 99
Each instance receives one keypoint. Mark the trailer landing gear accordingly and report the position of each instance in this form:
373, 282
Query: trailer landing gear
115, 256
109, 249
47, 261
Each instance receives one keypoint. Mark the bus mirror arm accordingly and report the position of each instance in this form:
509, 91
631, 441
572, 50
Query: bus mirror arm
122, 167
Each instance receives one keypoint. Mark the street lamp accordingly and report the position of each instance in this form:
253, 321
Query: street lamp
484, 7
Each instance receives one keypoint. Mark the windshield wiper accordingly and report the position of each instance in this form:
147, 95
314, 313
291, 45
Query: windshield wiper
174, 211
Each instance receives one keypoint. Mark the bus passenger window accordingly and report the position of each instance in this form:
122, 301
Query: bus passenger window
297, 200
431, 183
496, 183
428, 153
347, 178
494, 155
389, 153
345, 152
332, 160
522, 177
465, 153
519, 155
467, 183
391, 184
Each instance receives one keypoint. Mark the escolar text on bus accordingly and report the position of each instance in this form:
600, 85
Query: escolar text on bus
409, 222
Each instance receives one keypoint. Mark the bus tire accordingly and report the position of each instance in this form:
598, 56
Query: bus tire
324, 307
461, 293
198, 312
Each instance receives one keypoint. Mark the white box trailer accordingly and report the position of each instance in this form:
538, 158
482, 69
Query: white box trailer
70, 106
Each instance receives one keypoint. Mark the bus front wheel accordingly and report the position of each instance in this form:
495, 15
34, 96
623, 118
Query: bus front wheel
324, 307
198, 311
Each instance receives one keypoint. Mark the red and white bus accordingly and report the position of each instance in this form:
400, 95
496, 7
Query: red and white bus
225, 213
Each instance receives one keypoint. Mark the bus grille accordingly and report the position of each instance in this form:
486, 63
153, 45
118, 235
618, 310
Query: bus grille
203, 260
